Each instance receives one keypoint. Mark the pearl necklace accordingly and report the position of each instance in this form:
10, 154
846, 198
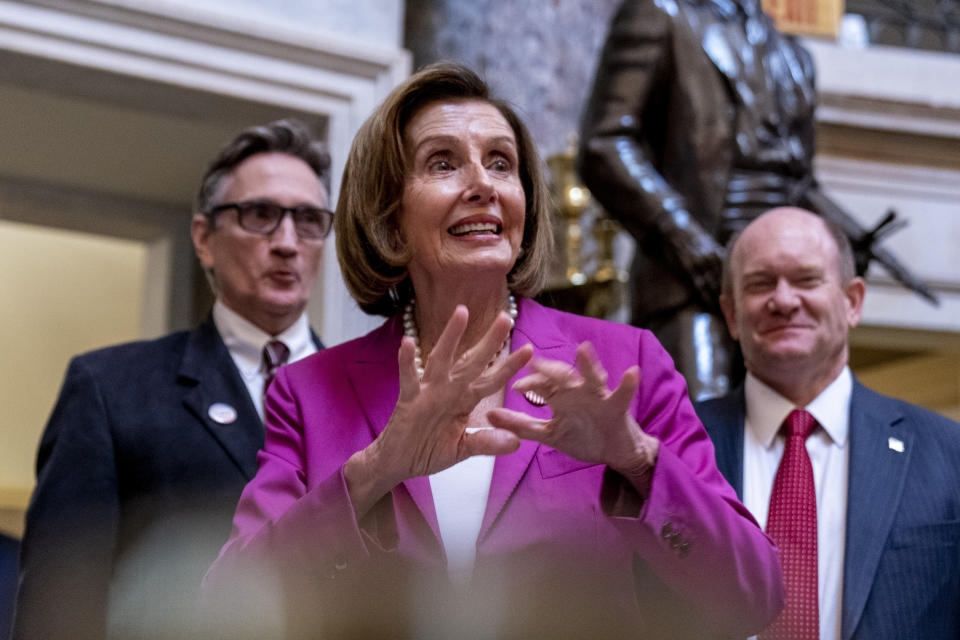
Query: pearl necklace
410, 329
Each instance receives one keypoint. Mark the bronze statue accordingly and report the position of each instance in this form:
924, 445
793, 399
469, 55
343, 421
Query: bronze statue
700, 119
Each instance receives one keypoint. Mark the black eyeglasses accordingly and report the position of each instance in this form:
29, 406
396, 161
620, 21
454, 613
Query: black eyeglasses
311, 223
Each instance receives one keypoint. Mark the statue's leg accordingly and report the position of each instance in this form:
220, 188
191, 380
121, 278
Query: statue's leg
702, 350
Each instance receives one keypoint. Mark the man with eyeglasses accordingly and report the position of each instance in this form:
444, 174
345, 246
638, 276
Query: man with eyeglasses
150, 443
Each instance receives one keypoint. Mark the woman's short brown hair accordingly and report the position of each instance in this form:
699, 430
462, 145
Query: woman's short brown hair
371, 252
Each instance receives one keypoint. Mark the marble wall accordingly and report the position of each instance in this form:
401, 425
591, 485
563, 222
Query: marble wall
538, 54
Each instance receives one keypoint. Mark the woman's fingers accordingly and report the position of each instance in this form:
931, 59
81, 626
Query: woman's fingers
441, 357
488, 442
409, 382
551, 378
520, 424
590, 422
629, 383
558, 374
473, 362
594, 375
499, 375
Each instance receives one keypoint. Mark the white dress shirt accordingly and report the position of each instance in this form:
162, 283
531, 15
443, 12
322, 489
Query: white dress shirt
460, 498
829, 455
245, 342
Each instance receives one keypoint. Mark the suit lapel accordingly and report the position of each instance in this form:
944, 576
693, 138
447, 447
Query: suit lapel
724, 421
877, 474
717, 25
538, 328
209, 376
509, 470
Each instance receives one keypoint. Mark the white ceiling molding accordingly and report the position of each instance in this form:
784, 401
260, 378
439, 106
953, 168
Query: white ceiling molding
210, 53
164, 55
929, 199
888, 88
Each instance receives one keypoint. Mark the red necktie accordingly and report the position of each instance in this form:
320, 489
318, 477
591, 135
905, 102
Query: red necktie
275, 355
792, 523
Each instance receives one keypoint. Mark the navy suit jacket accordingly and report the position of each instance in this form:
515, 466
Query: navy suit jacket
136, 488
901, 573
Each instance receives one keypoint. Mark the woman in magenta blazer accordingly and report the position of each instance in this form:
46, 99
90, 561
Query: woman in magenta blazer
479, 461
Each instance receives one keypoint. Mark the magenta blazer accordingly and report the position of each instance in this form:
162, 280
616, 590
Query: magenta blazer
691, 538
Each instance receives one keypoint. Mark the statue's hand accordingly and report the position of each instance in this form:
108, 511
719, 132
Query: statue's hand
702, 259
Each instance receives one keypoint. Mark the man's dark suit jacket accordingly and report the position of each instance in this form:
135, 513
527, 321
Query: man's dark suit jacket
901, 573
9, 550
136, 489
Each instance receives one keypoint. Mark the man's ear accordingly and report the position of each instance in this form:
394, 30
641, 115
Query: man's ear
729, 314
200, 232
855, 292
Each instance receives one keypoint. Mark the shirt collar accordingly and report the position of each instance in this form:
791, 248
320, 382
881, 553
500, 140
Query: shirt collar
245, 340
768, 409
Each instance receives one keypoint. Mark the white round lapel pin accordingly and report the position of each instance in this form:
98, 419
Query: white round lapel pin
222, 413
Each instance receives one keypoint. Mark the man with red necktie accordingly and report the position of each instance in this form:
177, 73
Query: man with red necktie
861, 492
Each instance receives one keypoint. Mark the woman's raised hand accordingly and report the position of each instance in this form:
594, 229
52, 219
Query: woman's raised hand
427, 431
590, 422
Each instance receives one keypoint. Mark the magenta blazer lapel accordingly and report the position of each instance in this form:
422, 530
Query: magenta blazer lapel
534, 326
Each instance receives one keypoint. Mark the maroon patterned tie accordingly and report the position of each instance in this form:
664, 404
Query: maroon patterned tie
275, 355
792, 523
